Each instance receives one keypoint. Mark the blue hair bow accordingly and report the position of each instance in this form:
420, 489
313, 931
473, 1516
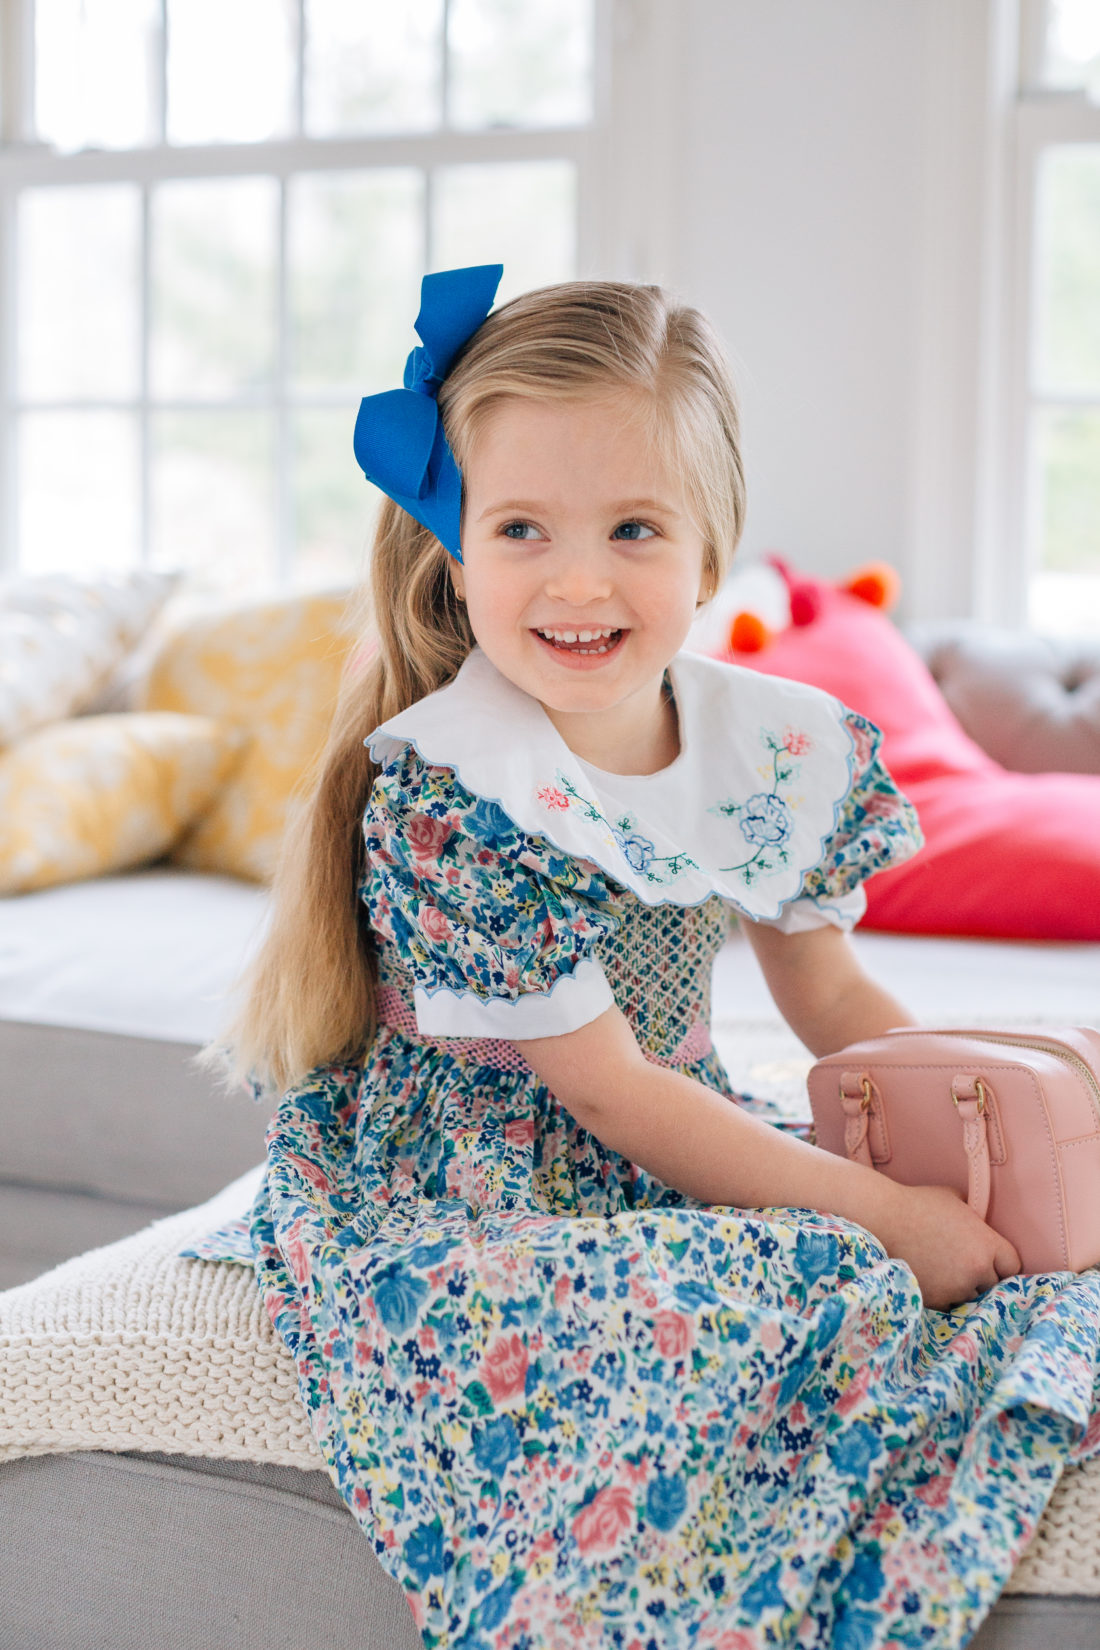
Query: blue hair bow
399, 439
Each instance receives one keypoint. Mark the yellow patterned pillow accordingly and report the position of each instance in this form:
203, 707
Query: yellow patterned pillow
273, 669
100, 793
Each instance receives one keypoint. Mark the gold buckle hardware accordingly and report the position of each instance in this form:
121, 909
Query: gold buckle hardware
980, 1086
868, 1100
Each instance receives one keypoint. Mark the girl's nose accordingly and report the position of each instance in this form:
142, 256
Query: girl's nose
578, 578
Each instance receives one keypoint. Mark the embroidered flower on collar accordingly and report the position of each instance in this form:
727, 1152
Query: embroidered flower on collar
766, 820
639, 851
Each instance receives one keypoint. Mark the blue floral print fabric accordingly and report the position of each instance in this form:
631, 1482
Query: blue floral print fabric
570, 1406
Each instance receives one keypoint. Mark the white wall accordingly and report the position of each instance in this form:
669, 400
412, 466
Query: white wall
828, 161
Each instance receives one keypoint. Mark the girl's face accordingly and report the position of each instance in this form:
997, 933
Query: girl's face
582, 567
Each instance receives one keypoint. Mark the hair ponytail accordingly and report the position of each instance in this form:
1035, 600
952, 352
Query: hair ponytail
308, 997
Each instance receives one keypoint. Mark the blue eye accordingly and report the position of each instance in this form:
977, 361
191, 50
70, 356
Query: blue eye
520, 530
632, 531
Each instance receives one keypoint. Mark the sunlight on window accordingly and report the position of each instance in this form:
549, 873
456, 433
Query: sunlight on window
230, 70
373, 67
335, 507
1073, 46
213, 497
79, 491
77, 293
478, 211
355, 251
95, 70
520, 62
213, 295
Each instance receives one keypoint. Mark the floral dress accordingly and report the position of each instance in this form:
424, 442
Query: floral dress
569, 1405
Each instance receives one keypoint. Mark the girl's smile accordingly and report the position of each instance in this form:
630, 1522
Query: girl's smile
582, 570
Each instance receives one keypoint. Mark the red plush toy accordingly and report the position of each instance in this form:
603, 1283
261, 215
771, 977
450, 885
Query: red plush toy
875, 582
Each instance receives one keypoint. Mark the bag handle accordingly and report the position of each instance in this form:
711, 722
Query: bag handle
970, 1097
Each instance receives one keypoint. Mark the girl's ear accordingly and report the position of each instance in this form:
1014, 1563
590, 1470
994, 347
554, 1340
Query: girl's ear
457, 584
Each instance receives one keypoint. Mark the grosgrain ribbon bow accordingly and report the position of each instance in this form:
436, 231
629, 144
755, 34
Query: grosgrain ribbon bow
399, 439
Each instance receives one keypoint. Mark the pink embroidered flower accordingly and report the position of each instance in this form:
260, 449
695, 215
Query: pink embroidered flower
673, 1334
600, 1526
796, 742
520, 1131
426, 835
504, 1368
434, 924
552, 798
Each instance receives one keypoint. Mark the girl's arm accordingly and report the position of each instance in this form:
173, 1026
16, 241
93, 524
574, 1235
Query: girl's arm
820, 987
709, 1148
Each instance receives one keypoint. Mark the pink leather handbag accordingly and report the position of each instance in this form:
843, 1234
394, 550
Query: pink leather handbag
1010, 1119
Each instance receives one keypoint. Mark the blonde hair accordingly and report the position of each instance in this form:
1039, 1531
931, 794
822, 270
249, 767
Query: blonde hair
309, 997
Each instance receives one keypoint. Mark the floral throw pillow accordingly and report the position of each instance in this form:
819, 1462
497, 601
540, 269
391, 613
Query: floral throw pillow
272, 668
61, 637
101, 793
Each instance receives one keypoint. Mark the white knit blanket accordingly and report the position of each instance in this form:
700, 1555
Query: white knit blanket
129, 1348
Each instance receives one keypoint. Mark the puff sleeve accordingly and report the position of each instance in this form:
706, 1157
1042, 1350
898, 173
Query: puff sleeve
876, 827
497, 928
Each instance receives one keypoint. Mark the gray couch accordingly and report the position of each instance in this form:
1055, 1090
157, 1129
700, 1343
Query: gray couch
106, 1124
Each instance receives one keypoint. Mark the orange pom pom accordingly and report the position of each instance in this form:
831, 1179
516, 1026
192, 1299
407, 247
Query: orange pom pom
876, 582
748, 634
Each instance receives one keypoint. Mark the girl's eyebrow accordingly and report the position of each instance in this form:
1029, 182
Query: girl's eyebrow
537, 507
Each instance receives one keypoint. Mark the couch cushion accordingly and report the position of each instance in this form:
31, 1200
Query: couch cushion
1032, 702
107, 990
1006, 854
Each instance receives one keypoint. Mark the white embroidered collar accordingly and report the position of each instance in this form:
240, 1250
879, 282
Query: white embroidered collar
743, 812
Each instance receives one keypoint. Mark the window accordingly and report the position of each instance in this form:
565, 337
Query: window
1057, 393
213, 219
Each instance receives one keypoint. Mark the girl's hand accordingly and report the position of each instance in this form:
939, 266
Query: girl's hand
955, 1255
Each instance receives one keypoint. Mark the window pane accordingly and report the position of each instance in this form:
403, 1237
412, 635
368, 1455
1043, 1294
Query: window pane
1068, 448
78, 272
213, 286
231, 70
95, 62
520, 62
1072, 58
1068, 265
356, 254
213, 497
78, 491
373, 67
335, 507
521, 214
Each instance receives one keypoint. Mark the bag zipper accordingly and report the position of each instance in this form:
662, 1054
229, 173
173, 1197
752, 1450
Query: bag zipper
1041, 1044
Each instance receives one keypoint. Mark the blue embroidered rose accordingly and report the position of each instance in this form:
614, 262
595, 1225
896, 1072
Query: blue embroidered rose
636, 850
766, 820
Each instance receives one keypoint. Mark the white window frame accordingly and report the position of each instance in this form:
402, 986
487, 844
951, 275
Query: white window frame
1042, 119
625, 173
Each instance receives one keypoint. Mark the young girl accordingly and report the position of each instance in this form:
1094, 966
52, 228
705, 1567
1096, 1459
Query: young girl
595, 1354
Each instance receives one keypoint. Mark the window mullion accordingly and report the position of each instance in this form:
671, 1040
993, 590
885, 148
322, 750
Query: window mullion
284, 458
158, 79
144, 413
